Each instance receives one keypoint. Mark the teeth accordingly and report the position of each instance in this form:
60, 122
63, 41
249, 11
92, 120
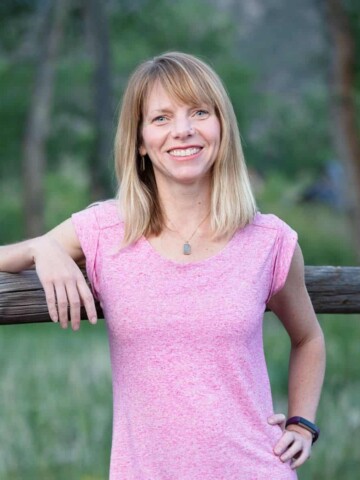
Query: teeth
184, 152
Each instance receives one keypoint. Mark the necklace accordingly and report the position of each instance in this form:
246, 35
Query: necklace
186, 244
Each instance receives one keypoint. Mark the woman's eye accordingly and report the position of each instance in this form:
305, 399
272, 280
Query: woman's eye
201, 113
160, 119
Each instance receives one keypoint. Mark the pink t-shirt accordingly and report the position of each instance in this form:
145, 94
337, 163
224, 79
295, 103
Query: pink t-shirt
190, 385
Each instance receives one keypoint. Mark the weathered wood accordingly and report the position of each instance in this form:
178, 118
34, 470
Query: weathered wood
332, 290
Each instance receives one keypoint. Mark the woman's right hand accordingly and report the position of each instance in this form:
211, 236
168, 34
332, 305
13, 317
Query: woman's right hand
63, 282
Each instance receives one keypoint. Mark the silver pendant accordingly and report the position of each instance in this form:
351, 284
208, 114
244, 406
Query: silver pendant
187, 248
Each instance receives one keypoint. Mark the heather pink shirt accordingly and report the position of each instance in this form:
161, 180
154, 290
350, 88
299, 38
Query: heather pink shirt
190, 384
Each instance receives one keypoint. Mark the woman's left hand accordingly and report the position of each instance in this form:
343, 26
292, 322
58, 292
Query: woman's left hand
295, 443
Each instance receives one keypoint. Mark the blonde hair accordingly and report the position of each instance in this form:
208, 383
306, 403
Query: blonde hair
190, 81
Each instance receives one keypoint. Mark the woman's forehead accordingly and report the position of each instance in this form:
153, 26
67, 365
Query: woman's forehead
158, 98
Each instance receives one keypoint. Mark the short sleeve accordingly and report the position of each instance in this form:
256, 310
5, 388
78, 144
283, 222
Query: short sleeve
284, 248
87, 230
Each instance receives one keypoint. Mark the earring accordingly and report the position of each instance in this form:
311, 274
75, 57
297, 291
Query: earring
142, 164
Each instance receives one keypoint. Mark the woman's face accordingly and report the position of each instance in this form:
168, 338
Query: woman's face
182, 141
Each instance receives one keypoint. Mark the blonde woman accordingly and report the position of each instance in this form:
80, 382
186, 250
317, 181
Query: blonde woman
184, 267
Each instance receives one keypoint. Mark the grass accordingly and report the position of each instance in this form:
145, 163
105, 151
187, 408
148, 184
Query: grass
55, 403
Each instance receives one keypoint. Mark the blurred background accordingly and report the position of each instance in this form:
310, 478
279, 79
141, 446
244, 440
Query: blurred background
292, 70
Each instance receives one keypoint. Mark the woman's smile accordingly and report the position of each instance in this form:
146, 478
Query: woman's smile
185, 153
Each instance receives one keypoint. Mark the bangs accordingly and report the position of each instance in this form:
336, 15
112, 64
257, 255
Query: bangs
186, 85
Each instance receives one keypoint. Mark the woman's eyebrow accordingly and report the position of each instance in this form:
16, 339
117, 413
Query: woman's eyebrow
156, 111
160, 110
167, 109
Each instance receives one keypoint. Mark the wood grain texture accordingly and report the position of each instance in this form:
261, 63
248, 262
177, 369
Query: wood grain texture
331, 289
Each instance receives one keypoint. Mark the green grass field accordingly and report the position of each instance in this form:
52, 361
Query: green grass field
56, 404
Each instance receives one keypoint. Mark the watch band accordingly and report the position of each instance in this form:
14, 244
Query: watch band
302, 422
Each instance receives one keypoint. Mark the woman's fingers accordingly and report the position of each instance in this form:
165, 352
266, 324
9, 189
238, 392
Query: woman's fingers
283, 444
64, 298
62, 304
293, 446
292, 451
87, 299
69, 299
74, 304
305, 454
51, 300
277, 419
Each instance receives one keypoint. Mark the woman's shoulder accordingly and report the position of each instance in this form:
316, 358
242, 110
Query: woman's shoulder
271, 224
267, 220
106, 212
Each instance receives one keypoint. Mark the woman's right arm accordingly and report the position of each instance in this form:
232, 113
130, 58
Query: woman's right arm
55, 255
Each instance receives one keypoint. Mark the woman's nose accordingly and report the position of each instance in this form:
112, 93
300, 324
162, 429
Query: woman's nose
182, 128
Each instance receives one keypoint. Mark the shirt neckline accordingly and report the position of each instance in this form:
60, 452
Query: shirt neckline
222, 252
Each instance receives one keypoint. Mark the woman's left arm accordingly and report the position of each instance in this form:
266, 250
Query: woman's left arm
293, 306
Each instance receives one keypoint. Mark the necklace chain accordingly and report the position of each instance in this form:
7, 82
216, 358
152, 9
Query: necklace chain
186, 245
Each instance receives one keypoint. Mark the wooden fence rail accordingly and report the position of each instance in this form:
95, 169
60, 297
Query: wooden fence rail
332, 290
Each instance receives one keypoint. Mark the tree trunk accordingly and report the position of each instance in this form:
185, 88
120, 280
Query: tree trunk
346, 134
101, 157
34, 146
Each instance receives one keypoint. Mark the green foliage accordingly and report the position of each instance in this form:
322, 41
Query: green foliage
10, 211
323, 232
295, 140
67, 190
14, 21
16, 85
161, 26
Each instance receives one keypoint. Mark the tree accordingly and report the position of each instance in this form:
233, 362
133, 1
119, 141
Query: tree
34, 155
98, 34
345, 128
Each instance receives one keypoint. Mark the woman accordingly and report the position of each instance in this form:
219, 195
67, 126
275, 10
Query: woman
184, 268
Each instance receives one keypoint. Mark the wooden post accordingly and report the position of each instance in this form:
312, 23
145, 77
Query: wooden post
332, 290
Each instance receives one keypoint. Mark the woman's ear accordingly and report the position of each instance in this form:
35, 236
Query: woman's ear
142, 151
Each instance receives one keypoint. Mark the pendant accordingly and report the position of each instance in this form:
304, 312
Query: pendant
187, 248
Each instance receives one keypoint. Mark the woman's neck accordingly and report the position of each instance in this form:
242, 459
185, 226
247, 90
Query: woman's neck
185, 208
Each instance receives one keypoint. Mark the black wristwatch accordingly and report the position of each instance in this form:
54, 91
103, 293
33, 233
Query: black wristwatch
302, 422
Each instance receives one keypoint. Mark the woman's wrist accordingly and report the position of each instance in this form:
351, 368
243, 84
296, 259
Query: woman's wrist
303, 426
34, 246
37, 246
